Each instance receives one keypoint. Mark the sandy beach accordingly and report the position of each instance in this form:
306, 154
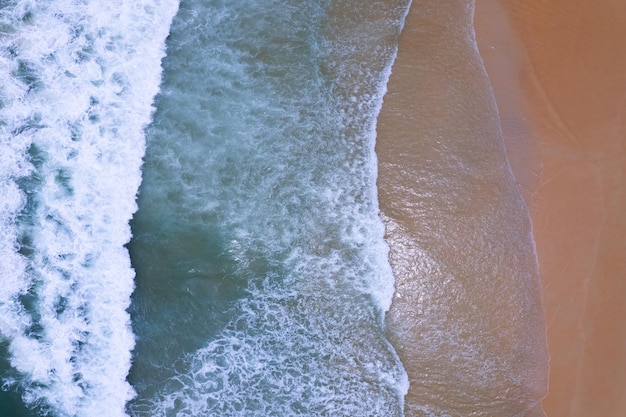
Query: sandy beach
557, 69
466, 318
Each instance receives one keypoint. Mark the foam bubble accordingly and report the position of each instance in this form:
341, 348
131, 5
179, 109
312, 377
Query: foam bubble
77, 89
287, 354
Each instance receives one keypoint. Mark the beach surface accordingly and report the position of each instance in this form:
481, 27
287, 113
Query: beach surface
466, 318
557, 69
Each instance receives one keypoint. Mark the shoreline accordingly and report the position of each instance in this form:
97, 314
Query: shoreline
557, 72
466, 318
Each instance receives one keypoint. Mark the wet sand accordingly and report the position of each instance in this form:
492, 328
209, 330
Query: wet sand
558, 70
466, 318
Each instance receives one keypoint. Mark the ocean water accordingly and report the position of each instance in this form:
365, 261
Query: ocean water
247, 275
78, 80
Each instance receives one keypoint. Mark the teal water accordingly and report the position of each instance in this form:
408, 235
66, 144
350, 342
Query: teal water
262, 275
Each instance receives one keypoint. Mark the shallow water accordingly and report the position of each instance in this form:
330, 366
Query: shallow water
466, 318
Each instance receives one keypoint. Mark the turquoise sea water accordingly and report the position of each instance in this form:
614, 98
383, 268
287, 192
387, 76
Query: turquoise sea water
257, 266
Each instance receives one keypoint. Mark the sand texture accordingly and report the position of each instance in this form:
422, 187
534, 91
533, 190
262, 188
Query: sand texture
558, 69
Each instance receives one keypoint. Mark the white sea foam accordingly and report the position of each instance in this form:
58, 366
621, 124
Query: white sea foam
78, 80
288, 355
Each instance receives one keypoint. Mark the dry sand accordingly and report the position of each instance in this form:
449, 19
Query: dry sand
558, 68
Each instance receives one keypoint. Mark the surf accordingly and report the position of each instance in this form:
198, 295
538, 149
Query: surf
78, 80
262, 273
